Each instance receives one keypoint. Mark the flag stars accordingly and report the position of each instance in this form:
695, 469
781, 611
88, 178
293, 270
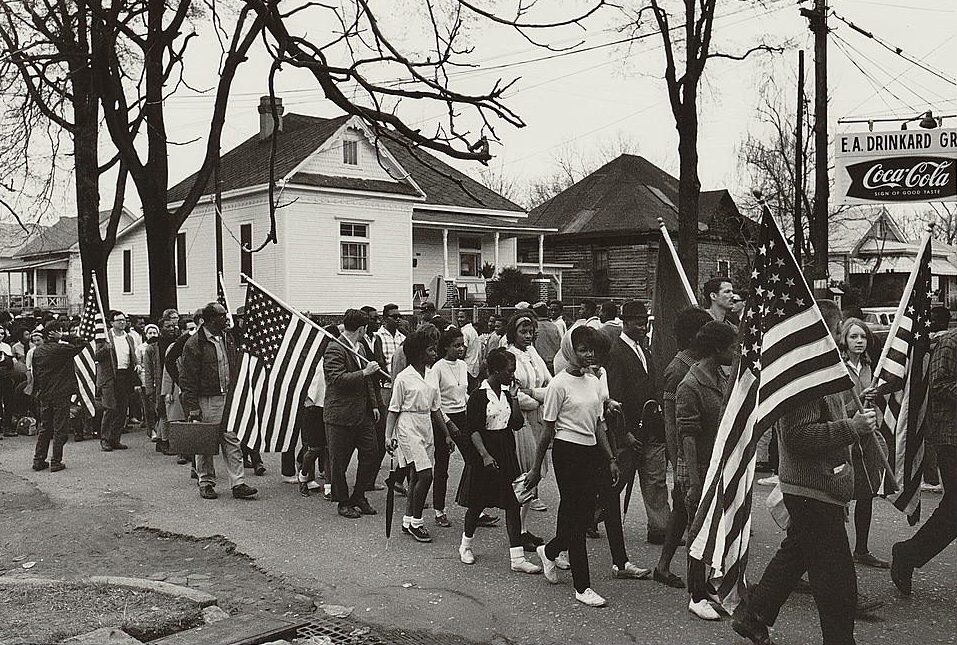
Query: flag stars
779, 262
775, 277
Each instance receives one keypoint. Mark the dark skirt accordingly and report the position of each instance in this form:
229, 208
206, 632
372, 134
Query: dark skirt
482, 487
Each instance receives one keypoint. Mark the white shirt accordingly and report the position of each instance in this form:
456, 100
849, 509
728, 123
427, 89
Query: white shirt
498, 411
636, 349
316, 394
121, 347
473, 349
4, 348
574, 404
451, 379
561, 324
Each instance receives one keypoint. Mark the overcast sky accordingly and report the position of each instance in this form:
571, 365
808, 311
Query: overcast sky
584, 101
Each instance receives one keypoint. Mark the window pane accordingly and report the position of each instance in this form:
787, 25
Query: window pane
470, 264
181, 259
355, 256
245, 257
127, 271
350, 152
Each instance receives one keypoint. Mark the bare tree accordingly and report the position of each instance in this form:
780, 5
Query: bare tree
686, 28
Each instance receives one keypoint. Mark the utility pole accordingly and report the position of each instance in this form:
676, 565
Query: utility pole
817, 19
799, 163
218, 207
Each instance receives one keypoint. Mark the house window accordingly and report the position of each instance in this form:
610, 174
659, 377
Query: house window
52, 283
601, 283
350, 152
470, 257
181, 260
354, 246
127, 271
724, 268
245, 256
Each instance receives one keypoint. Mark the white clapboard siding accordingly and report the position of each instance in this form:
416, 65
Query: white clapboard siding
328, 161
427, 250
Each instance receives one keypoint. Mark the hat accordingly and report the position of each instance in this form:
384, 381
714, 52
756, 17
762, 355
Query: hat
634, 309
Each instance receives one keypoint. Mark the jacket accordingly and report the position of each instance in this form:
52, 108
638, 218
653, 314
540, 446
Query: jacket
53, 373
942, 411
814, 443
351, 396
105, 359
631, 385
698, 408
152, 368
199, 373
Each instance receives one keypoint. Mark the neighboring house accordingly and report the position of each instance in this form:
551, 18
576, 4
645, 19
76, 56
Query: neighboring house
875, 257
356, 225
12, 239
46, 272
608, 232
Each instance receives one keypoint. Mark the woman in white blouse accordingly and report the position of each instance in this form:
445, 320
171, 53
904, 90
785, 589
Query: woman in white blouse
532, 377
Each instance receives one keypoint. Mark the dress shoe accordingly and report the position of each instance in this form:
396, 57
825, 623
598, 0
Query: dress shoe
744, 623
348, 511
362, 505
207, 492
242, 491
420, 533
57, 466
869, 560
182, 461
442, 519
530, 541
629, 572
40, 464
866, 604
120, 446
488, 520
304, 490
259, 470
668, 579
901, 574
106, 447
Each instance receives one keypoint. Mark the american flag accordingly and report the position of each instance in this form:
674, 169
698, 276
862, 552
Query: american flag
92, 329
280, 354
221, 299
902, 375
788, 358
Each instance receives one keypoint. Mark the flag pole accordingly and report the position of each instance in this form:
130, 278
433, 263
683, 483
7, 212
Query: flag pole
295, 312
106, 326
692, 299
222, 288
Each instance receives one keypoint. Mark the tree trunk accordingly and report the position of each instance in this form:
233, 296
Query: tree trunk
689, 189
160, 244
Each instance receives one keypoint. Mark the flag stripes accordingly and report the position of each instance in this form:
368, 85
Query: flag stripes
92, 329
788, 358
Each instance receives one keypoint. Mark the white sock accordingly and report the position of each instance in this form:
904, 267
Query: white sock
327, 489
516, 554
406, 521
415, 521
439, 512
467, 541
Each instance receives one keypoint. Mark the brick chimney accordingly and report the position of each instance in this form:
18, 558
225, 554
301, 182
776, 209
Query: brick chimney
265, 116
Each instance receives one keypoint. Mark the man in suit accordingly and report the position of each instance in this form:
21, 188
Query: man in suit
115, 380
631, 380
54, 384
350, 413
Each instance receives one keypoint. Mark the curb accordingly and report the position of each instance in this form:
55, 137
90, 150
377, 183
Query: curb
201, 598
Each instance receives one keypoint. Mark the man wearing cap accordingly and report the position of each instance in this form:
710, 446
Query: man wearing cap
54, 384
631, 380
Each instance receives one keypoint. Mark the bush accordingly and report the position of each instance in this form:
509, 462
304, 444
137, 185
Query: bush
511, 286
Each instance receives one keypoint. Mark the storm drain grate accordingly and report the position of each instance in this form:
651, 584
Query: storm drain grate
345, 632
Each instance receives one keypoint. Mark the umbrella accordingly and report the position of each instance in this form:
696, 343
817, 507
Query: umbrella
390, 496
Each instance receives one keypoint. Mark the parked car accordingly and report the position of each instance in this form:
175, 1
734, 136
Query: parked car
879, 318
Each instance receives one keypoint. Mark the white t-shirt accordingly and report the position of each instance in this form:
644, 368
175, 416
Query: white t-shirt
473, 350
5, 349
574, 404
451, 379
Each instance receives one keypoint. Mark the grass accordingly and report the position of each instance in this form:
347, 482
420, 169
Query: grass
50, 614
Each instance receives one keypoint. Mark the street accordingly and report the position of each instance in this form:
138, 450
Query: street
400, 583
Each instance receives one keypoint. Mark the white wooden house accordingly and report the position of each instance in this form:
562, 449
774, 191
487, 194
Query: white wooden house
358, 224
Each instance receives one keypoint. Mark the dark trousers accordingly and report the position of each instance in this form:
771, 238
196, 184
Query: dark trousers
609, 499
6, 410
343, 441
816, 542
55, 425
114, 419
697, 585
940, 529
440, 471
575, 468
313, 433
931, 475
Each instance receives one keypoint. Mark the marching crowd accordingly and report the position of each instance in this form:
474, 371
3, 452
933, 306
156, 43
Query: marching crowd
505, 393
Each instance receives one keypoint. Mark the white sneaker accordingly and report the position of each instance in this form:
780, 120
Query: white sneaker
562, 562
590, 598
703, 610
466, 555
312, 484
548, 566
291, 479
932, 488
769, 481
630, 571
538, 505
524, 566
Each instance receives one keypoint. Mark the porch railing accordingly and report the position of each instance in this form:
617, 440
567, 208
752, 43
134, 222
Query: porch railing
52, 302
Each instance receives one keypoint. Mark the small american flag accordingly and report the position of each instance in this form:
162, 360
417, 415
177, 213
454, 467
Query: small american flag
92, 329
280, 354
902, 375
788, 358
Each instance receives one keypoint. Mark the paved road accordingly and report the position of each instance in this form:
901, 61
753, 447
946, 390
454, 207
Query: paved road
400, 583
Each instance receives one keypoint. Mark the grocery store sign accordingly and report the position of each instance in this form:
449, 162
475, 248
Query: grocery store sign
897, 166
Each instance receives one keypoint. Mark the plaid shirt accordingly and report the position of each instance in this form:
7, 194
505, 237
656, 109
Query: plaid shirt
390, 343
942, 420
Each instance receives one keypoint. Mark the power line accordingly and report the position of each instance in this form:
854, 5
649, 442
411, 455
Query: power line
840, 42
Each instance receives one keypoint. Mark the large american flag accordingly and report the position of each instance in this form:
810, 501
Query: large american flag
92, 329
280, 354
902, 375
788, 358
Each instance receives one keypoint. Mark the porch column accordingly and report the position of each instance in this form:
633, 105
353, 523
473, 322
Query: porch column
36, 288
445, 253
541, 253
497, 235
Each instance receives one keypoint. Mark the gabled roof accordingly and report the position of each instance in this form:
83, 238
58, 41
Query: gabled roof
626, 194
58, 237
13, 238
246, 166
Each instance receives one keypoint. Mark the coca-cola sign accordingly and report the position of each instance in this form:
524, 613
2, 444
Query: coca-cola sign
900, 166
